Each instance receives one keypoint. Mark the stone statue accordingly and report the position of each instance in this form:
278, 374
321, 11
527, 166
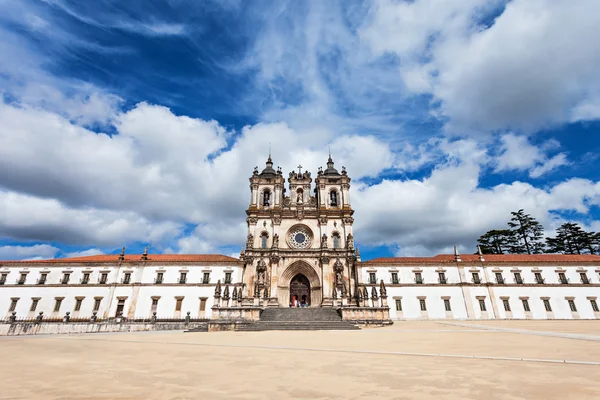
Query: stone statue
299, 198
338, 268
261, 271
275, 241
334, 293
250, 241
344, 290
350, 241
324, 241
266, 293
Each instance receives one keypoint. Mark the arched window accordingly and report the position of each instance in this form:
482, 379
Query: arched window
266, 198
336, 241
333, 198
263, 240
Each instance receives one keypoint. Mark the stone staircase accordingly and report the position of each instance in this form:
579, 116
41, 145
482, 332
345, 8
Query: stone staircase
298, 319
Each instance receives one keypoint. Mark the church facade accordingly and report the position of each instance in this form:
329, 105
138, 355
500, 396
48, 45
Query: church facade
300, 252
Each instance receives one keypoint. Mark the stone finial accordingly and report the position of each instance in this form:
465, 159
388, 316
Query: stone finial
480, 253
145, 255
357, 254
226, 293
365, 293
234, 294
374, 293
122, 254
456, 255
13, 317
382, 289
359, 294
218, 289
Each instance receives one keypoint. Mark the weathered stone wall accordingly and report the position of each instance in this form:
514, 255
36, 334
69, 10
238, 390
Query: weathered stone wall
48, 328
367, 315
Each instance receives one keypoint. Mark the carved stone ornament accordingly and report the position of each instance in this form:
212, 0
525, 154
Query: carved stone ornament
344, 289
218, 289
275, 241
338, 269
334, 293
365, 293
312, 201
323, 220
252, 220
274, 259
300, 213
261, 271
350, 241
226, 293
325, 260
382, 289
287, 201
348, 220
324, 241
374, 293
276, 220
250, 241
234, 294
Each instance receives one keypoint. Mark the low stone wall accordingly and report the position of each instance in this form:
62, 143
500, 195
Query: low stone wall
49, 328
366, 316
236, 313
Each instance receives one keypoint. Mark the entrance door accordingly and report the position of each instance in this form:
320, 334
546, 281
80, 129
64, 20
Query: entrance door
300, 291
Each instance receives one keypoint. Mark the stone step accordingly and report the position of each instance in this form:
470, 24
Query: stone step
300, 314
296, 326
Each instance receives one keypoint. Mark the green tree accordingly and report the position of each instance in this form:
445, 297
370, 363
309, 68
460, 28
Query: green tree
570, 239
496, 241
528, 233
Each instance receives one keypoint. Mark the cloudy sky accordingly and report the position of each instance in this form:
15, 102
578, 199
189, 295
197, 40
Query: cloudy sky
139, 122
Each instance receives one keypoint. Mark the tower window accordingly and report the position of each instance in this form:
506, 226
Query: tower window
263, 240
336, 241
266, 198
333, 198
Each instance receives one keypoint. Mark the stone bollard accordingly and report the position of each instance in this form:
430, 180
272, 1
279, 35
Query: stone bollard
39, 318
67, 317
187, 318
13, 317
153, 319
94, 317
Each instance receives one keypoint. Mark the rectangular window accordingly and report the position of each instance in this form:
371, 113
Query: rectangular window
86, 278
120, 308
182, 277
65, 279
13, 304
398, 305
518, 278
78, 304
97, 304
103, 278
394, 278
506, 304
178, 304
442, 277
499, 278
154, 305
547, 305
476, 279
584, 278
482, 305
34, 303
526, 305
22, 279
127, 278
203, 304
538, 278
594, 305
227, 277
3, 279
159, 278
423, 304
447, 305
418, 278
562, 278
572, 305
57, 303
372, 278
42, 279
206, 278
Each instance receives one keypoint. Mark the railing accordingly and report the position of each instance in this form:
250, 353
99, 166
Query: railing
205, 281
228, 282
519, 280
64, 281
395, 281
585, 280
476, 281
182, 280
126, 281
41, 281
158, 281
20, 281
442, 281
85, 281
564, 281
419, 281
500, 281
2, 281
539, 281
102, 281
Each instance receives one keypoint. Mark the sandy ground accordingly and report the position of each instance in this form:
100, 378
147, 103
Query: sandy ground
318, 365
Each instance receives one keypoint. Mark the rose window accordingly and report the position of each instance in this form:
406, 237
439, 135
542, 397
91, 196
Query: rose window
299, 237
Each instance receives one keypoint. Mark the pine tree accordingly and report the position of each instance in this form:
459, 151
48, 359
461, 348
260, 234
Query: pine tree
572, 239
528, 233
496, 241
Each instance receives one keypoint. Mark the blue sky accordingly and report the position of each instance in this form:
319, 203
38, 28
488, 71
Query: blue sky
138, 123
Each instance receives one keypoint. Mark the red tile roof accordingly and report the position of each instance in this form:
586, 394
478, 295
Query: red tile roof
114, 258
491, 258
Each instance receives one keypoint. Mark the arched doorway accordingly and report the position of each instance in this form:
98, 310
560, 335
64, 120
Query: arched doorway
300, 291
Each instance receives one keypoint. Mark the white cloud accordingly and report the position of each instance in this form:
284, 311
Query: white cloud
549, 165
534, 66
84, 253
38, 251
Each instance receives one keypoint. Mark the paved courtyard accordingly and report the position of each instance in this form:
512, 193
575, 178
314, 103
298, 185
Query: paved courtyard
409, 360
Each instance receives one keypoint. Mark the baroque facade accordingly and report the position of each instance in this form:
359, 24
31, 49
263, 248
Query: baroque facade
300, 252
